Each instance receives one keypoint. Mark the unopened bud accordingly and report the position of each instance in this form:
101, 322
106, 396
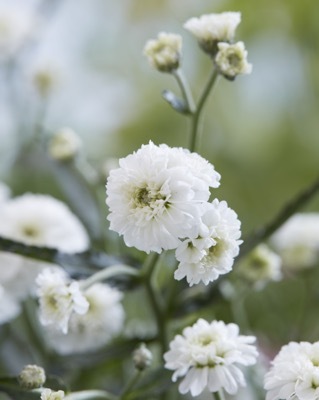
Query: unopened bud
32, 377
142, 357
64, 145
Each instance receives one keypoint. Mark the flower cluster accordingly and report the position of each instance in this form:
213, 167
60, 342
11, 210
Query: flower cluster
215, 34
294, 373
207, 355
159, 200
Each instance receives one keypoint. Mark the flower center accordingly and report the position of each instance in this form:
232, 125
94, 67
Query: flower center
234, 60
30, 231
149, 197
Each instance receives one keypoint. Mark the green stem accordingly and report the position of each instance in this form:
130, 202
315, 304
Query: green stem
148, 270
219, 395
110, 272
185, 89
286, 212
196, 115
131, 383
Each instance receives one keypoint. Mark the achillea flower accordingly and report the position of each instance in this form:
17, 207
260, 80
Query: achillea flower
294, 373
48, 394
103, 320
209, 29
164, 53
207, 355
297, 241
212, 252
59, 298
64, 145
155, 197
231, 60
260, 266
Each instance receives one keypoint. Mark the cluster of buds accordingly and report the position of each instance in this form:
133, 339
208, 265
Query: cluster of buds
215, 35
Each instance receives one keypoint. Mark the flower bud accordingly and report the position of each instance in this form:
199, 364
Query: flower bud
48, 394
64, 145
164, 53
142, 357
32, 377
231, 60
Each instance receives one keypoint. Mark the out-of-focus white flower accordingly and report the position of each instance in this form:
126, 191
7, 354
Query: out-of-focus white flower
9, 306
294, 373
92, 330
260, 266
5, 192
207, 355
44, 79
37, 220
142, 357
164, 53
59, 298
212, 253
44, 221
64, 145
297, 241
17, 24
156, 195
32, 377
209, 29
48, 394
231, 60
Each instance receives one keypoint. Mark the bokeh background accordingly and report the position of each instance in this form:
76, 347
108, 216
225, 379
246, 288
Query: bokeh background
261, 131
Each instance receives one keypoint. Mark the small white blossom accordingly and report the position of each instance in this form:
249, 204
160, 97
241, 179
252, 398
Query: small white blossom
92, 330
209, 29
207, 355
294, 373
231, 60
297, 241
59, 298
204, 258
156, 195
64, 145
164, 53
32, 377
260, 266
48, 394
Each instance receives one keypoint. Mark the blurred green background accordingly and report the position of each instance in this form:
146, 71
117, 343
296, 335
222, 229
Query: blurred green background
261, 131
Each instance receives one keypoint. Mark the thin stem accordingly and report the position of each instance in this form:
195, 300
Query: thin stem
110, 272
196, 116
185, 89
219, 395
147, 271
286, 212
131, 383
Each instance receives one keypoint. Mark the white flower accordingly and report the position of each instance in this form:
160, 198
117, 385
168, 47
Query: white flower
5, 192
260, 266
209, 29
297, 241
155, 196
92, 330
59, 298
294, 373
204, 258
164, 53
231, 60
207, 355
48, 394
64, 145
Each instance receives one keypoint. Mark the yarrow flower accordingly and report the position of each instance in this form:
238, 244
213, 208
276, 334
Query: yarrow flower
59, 298
209, 29
155, 196
211, 253
294, 374
297, 241
164, 53
48, 394
64, 145
231, 60
260, 266
103, 320
207, 355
